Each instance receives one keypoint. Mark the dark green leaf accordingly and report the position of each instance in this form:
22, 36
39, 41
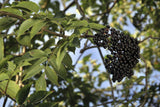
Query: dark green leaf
23, 93
49, 43
38, 96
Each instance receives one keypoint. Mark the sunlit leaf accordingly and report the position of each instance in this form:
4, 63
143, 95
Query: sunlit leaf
41, 83
28, 5
12, 88
51, 74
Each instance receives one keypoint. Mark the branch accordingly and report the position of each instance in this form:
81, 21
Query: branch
146, 84
72, 3
110, 82
86, 48
12, 15
150, 37
79, 8
54, 33
108, 11
5, 101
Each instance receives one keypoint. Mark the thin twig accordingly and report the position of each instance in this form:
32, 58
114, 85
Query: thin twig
110, 82
80, 9
12, 15
71, 4
86, 48
150, 37
146, 84
5, 101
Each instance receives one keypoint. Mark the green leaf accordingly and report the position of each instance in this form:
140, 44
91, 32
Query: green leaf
51, 74
51, 104
38, 53
11, 66
34, 69
36, 27
1, 48
74, 42
62, 71
3, 76
49, 43
41, 83
79, 23
4, 60
67, 61
96, 26
60, 54
26, 25
28, 5
24, 40
23, 93
7, 22
33, 72
38, 96
12, 10
12, 88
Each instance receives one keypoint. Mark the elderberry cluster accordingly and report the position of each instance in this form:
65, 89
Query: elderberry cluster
124, 52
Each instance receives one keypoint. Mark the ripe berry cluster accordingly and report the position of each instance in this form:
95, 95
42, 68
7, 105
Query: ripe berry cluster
124, 52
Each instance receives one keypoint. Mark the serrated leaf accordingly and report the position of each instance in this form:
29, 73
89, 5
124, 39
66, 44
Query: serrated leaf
23, 93
12, 88
60, 54
62, 71
51, 74
38, 96
36, 27
7, 22
38, 53
26, 25
41, 83
4, 60
28, 5
11, 66
3, 76
96, 26
79, 23
24, 40
1, 48
34, 69
33, 72
12, 10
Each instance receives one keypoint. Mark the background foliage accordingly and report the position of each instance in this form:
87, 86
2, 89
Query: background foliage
38, 42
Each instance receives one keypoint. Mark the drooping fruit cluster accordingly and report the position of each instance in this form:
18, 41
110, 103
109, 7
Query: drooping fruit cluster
124, 52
